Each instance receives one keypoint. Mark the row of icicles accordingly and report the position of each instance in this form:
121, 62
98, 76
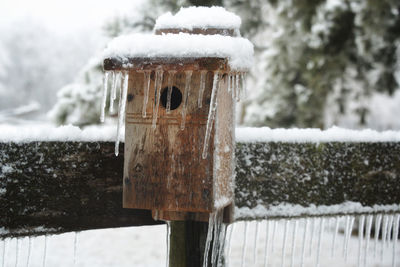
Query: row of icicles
308, 236
304, 232
27, 261
119, 82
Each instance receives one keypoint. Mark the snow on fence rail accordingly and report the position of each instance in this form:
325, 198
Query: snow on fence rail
56, 180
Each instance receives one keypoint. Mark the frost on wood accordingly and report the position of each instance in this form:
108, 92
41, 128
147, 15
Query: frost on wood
43, 193
55, 187
300, 179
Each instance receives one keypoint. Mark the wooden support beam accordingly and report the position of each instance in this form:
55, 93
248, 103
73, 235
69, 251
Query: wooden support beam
308, 179
55, 187
187, 243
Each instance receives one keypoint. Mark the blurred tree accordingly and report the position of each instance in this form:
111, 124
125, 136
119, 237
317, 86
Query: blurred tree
326, 51
314, 59
36, 61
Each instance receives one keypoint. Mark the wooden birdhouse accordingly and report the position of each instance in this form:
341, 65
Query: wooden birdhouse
180, 86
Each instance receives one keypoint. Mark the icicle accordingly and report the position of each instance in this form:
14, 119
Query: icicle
296, 223
222, 238
29, 252
229, 82
113, 93
395, 239
186, 97
312, 235
389, 232
384, 233
349, 231
367, 237
266, 244
157, 92
3, 263
360, 238
321, 231
121, 111
45, 251
16, 252
346, 229
286, 229
216, 242
273, 235
211, 113
156, 215
171, 75
378, 221
233, 86
229, 241
104, 98
255, 243
335, 235
168, 238
244, 243
146, 89
203, 75
244, 89
237, 88
75, 247
303, 247
211, 222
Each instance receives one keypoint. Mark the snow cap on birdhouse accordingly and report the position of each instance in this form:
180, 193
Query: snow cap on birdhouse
215, 20
178, 92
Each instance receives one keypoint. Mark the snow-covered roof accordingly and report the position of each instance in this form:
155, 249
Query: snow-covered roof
199, 17
237, 50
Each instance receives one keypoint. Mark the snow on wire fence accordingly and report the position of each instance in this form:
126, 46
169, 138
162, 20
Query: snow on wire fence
55, 180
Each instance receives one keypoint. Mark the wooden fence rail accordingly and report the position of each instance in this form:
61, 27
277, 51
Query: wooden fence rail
56, 187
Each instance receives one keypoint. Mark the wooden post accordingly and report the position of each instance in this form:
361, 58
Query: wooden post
187, 243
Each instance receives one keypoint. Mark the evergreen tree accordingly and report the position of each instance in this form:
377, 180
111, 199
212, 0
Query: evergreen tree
314, 58
326, 49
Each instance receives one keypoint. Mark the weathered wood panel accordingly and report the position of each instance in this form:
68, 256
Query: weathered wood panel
164, 169
271, 175
55, 187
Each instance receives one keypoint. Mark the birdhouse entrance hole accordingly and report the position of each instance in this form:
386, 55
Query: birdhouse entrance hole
176, 97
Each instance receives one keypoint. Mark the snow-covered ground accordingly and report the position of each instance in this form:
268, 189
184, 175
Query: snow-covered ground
146, 246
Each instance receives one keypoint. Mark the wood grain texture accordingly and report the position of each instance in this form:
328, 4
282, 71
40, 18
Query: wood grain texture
164, 169
166, 64
56, 187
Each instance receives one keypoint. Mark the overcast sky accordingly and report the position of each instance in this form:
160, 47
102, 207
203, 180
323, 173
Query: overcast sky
65, 15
